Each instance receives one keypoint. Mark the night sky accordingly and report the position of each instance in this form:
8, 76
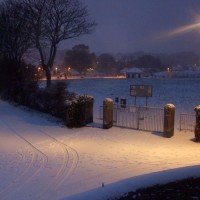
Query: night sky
154, 26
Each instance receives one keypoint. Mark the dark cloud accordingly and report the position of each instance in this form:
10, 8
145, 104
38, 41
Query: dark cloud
133, 25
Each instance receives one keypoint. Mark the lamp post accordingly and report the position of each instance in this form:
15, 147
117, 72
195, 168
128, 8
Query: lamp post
38, 73
68, 71
56, 72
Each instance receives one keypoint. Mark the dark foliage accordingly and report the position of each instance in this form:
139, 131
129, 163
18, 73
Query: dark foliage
20, 93
80, 111
13, 75
149, 61
52, 100
75, 111
80, 58
180, 190
106, 63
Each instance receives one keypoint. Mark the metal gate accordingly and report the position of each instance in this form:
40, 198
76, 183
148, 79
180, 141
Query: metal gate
187, 121
141, 118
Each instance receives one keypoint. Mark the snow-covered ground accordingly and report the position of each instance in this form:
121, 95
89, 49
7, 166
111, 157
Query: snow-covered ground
41, 159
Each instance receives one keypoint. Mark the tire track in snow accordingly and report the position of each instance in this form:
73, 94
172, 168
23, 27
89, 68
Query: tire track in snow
28, 174
73, 165
7, 161
68, 166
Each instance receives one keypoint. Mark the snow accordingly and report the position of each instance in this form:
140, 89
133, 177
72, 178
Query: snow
179, 73
108, 100
42, 159
197, 108
134, 70
170, 106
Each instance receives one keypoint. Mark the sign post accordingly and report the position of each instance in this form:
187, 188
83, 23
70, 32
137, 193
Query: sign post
141, 91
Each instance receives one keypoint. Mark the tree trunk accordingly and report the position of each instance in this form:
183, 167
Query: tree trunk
48, 76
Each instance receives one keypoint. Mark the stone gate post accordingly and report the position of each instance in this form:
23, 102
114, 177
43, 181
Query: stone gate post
107, 113
197, 124
169, 118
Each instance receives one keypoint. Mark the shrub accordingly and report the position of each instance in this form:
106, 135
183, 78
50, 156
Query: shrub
80, 111
75, 111
52, 99
13, 74
20, 93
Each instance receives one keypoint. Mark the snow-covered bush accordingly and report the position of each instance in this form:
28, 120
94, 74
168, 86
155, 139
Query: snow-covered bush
79, 111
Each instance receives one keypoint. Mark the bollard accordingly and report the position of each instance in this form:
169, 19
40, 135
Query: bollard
169, 118
197, 125
107, 113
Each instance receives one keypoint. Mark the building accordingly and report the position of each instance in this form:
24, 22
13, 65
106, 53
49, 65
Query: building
134, 73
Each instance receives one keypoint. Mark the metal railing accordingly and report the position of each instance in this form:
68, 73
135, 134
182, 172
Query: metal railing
151, 119
126, 117
187, 121
141, 118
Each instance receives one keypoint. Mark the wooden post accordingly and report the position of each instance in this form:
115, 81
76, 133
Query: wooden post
197, 125
107, 113
169, 118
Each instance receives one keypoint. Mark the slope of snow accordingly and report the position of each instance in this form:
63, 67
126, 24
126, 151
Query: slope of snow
42, 159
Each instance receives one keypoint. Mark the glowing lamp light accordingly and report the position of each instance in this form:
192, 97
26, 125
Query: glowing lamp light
182, 29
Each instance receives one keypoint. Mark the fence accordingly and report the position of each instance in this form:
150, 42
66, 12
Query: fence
141, 118
187, 121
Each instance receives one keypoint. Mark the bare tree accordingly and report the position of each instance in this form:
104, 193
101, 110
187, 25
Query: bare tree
14, 37
54, 21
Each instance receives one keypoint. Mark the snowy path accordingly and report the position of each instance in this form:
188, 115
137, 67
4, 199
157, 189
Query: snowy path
40, 159
39, 166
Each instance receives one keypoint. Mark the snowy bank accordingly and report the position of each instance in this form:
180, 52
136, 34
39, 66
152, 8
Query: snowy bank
131, 184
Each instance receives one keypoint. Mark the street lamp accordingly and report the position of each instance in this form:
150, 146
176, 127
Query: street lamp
68, 70
38, 72
56, 71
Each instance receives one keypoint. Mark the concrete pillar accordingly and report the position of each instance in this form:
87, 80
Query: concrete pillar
197, 125
107, 113
169, 118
